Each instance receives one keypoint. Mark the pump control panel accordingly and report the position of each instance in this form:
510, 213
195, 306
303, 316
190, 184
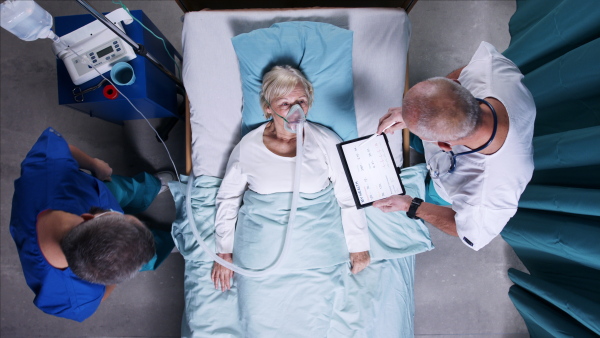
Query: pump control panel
94, 46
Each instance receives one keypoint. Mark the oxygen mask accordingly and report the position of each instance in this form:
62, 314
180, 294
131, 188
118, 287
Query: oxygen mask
294, 118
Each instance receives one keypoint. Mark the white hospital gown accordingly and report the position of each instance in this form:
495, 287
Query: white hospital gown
485, 189
253, 166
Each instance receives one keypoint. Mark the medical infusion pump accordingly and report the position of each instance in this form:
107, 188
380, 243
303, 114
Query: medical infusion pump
94, 46
100, 56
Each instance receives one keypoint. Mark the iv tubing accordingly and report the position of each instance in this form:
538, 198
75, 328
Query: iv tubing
189, 211
290, 226
85, 59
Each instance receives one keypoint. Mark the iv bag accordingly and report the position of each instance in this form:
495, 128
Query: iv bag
26, 19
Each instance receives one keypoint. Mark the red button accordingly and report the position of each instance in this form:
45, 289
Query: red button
110, 92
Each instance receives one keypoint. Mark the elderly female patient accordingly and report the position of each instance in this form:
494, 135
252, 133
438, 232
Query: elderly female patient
264, 162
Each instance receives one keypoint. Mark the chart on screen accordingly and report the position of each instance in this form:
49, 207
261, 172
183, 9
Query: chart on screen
371, 171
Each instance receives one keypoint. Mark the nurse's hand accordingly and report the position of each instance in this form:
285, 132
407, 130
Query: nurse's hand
394, 203
101, 170
394, 115
222, 276
359, 261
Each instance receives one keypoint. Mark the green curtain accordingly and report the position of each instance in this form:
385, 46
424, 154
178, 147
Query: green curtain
556, 231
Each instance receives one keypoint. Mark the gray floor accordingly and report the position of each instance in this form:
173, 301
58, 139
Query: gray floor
458, 292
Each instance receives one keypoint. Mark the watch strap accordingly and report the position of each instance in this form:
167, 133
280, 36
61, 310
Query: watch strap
412, 210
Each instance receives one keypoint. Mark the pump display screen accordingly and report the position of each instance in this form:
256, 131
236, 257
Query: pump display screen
104, 51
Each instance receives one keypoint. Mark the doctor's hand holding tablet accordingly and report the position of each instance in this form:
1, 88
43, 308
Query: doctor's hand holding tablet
387, 198
370, 168
389, 123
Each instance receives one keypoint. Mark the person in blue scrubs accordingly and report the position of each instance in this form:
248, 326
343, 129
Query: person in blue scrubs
74, 241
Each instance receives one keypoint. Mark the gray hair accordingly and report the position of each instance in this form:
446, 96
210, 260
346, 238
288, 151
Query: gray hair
440, 109
109, 249
279, 82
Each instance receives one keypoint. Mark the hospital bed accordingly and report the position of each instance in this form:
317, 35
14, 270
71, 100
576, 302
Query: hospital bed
376, 303
206, 40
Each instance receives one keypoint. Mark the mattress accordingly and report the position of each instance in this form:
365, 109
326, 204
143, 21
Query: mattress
212, 79
322, 301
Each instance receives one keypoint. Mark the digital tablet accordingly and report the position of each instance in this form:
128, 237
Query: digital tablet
370, 169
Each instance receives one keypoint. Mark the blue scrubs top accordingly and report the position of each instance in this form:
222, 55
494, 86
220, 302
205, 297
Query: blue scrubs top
51, 179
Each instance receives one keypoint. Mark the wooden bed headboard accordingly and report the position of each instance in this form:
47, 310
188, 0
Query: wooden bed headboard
197, 5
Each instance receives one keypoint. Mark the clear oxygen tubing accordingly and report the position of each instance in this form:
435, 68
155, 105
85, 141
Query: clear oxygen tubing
85, 59
189, 211
290, 225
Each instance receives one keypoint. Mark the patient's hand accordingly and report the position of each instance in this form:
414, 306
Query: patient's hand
359, 261
394, 203
221, 276
394, 115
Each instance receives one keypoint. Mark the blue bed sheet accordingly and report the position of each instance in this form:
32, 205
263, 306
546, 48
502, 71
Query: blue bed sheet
314, 294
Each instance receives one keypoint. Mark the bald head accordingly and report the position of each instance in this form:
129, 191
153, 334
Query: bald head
440, 109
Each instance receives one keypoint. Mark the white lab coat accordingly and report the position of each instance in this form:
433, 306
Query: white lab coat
485, 189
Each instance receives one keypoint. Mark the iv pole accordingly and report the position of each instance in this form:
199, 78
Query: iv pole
138, 48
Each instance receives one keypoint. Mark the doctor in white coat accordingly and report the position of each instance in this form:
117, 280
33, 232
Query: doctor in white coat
477, 127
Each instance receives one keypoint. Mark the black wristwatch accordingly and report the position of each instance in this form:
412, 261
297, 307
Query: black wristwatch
412, 210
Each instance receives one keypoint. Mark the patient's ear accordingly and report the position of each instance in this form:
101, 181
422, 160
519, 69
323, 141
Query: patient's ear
268, 113
87, 216
444, 146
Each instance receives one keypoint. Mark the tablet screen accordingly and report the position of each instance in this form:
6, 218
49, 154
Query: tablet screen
370, 168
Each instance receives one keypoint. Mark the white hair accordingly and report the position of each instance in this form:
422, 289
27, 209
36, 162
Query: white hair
279, 82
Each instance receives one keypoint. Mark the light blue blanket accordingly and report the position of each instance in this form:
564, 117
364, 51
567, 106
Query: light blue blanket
314, 294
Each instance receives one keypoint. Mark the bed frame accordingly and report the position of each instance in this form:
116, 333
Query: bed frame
198, 5
204, 5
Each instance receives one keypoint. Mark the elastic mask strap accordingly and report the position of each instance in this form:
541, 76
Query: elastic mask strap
281, 117
275, 112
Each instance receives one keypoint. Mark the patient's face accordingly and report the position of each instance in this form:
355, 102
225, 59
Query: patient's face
283, 104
